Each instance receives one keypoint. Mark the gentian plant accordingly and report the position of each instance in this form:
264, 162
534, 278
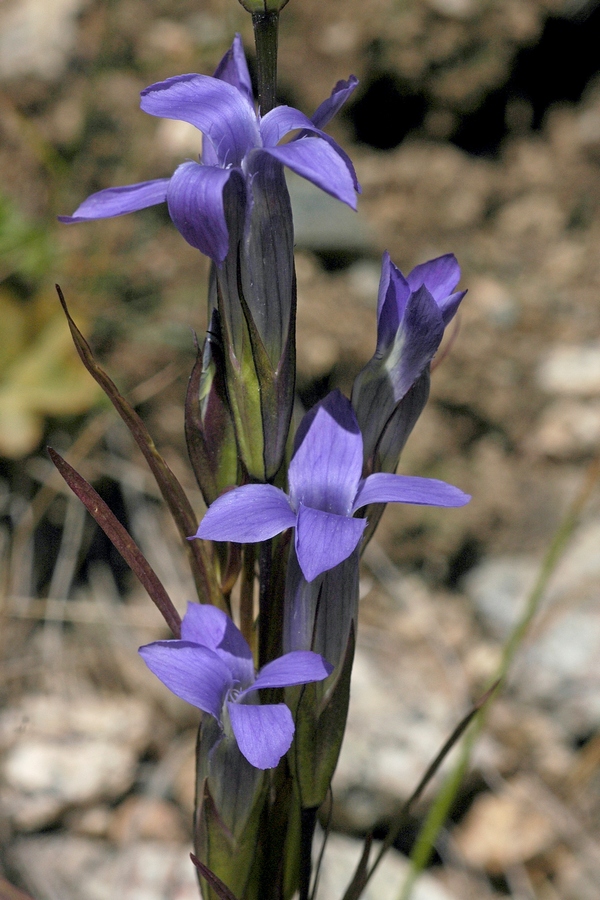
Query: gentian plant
291, 510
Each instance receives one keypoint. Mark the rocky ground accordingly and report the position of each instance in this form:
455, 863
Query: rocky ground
470, 135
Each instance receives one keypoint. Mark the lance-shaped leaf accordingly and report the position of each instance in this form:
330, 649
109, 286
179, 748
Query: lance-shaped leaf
168, 484
121, 539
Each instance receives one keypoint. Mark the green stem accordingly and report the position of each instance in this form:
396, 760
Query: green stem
247, 595
266, 26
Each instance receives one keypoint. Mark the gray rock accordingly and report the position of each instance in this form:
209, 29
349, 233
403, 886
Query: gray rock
60, 753
396, 724
498, 588
559, 663
63, 867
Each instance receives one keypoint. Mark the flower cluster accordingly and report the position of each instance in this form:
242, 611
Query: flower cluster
301, 505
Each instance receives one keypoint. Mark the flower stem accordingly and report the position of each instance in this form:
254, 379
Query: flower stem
266, 26
247, 595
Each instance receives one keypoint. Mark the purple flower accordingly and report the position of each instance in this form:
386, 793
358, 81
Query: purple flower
412, 314
212, 668
237, 142
325, 490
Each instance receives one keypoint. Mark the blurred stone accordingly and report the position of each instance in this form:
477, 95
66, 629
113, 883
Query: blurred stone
503, 830
396, 723
146, 818
61, 867
45, 777
113, 718
364, 277
61, 753
493, 301
498, 588
559, 663
453, 9
37, 36
93, 822
561, 669
571, 370
568, 429
339, 863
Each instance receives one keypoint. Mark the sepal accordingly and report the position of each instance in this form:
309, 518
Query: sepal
230, 796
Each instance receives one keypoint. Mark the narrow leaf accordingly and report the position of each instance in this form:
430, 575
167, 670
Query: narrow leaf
121, 539
168, 484
220, 889
400, 819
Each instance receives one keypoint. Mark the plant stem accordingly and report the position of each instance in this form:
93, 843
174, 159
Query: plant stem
266, 26
247, 595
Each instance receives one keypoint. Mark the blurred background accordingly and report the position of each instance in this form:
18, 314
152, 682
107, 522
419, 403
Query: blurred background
475, 130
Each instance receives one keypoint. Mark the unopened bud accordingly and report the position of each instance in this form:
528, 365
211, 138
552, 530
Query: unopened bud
263, 6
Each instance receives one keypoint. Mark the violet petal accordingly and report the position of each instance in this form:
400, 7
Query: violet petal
391, 303
263, 733
220, 111
328, 108
194, 673
440, 276
324, 540
415, 343
254, 512
195, 199
280, 121
315, 160
210, 627
297, 667
119, 201
233, 69
384, 488
449, 306
326, 467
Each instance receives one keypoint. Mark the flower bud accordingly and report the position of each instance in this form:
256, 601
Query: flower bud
263, 6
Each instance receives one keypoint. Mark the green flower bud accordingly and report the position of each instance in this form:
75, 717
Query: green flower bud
263, 6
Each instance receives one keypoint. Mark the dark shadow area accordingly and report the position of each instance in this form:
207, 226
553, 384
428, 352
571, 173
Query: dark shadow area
386, 112
557, 69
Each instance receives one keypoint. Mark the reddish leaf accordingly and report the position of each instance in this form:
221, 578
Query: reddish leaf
218, 886
168, 484
121, 539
